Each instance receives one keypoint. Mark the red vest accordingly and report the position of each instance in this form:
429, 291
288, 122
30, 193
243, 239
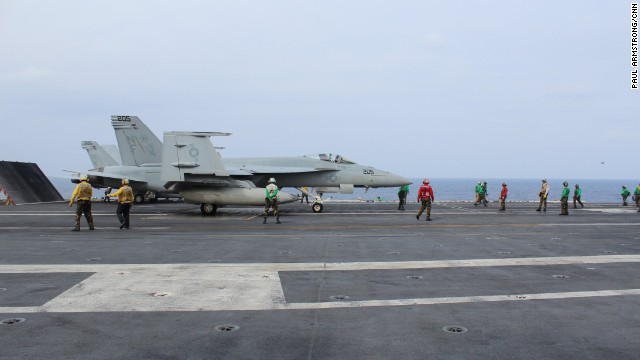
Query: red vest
425, 192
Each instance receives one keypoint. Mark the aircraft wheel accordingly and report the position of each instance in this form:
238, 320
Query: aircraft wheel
138, 199
208, 209
316, 207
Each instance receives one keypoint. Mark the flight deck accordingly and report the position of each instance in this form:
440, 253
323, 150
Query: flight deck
360, 280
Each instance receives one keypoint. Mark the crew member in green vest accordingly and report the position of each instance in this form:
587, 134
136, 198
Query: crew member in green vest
271, 201
402, 196
577, 192
478, 189
564, 199
625, 194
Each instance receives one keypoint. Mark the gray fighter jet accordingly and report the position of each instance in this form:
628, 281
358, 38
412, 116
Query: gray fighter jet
182, 168
140, 148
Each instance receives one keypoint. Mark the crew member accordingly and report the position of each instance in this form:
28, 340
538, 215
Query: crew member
625, 194
544, 192
83, 193
577, 192
402, 196
503, 196
125, 199
636, 193
477, 190
564, 199
107, 198
483, 194
305, 194
271, 201
425, 195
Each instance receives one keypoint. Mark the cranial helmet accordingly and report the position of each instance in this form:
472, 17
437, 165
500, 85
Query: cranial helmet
565, 183
272, 181
544, 180
425, 181
125, 181
84, 178
504, 184
577, 186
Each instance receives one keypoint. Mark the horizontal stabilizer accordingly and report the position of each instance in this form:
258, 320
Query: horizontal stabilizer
99, 178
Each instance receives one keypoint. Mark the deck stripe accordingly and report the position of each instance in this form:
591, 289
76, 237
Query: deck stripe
231, 287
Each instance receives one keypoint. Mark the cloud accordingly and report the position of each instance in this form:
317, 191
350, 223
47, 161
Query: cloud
26, 76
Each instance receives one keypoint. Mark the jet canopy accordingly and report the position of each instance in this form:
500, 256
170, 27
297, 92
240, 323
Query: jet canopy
331, 158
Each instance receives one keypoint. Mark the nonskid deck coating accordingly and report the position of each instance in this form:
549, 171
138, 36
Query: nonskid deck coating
236, 270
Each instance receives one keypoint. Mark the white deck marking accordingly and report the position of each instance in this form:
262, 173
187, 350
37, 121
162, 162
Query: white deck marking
611, 210
231, 287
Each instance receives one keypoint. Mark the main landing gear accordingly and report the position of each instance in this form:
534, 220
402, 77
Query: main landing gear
150, 196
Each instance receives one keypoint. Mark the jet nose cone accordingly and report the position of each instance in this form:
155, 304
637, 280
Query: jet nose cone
391, 179
402, 180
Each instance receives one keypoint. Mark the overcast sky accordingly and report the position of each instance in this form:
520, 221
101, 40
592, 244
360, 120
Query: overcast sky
467, 89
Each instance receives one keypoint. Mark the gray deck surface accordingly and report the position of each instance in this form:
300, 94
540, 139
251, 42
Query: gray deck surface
358, 281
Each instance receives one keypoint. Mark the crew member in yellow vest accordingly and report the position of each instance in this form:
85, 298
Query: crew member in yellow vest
125, 199
82, 193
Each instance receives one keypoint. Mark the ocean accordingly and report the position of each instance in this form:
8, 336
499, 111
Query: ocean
593, 191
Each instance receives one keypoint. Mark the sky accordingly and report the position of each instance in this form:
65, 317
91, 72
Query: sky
464, 89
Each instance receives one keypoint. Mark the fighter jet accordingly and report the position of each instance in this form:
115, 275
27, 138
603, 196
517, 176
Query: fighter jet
182, 163
327, 173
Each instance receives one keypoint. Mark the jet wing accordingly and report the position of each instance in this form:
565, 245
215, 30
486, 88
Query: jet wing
264, 169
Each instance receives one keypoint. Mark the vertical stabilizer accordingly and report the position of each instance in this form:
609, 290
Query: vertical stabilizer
137, 144
191, 157
113, 151
99, 157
